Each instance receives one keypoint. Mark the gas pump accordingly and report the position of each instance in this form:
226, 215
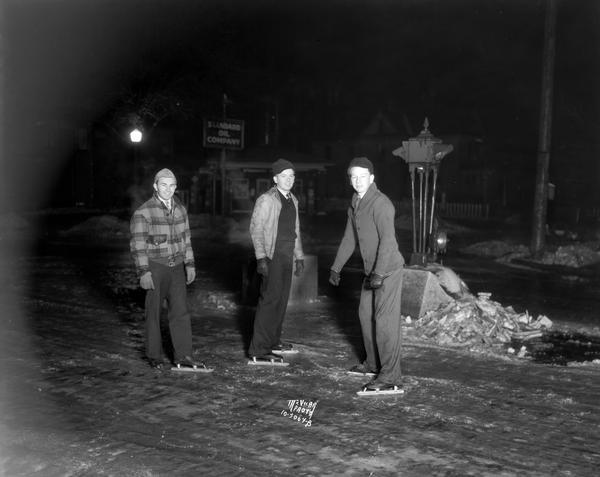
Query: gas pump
423, 155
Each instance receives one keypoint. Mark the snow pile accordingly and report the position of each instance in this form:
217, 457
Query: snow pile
496, 249
578, 255
99, 227
476, 321
575, 255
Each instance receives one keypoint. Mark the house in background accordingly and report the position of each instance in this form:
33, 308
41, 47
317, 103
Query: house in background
465, 174
376, 141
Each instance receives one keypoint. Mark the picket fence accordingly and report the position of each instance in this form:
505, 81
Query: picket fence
465, 210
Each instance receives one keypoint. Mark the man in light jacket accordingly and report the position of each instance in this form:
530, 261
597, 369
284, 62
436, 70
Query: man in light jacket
370, 225
275, 232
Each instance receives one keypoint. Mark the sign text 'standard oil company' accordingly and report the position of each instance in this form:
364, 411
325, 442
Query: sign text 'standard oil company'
224, 133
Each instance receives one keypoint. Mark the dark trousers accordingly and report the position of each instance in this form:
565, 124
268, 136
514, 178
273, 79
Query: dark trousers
272, 302
380, 321
169, 284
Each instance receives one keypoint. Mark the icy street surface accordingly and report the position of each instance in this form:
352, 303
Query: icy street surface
77, 399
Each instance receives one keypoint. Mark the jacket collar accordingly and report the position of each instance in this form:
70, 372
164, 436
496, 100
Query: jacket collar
371, 191
275, 192
174, 199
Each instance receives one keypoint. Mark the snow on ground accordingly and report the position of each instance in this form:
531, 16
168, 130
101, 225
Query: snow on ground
82, 401
99, 227
467, 321
574, 255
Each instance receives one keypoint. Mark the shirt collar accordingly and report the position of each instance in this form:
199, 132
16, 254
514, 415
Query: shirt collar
166, 203
286, 195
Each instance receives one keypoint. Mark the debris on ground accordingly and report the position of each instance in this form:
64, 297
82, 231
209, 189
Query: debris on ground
217, 300
574, 255
478, 321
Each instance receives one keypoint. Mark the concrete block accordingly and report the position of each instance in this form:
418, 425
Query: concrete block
305, 287
421, 292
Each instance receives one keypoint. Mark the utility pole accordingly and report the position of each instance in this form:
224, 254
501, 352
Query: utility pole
6, 181
538, 236
223, 162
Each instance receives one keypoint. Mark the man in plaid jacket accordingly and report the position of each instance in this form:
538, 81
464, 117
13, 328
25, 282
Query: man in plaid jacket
162, 251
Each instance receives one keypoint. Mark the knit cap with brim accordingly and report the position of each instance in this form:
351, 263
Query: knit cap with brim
361, 162
281, 165
164, 173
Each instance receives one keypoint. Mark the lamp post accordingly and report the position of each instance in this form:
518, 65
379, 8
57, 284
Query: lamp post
135, 136
423, 155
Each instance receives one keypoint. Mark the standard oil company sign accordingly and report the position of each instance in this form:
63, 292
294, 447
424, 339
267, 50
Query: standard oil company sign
224, 133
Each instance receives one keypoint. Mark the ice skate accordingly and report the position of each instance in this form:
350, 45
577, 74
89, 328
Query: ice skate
284, 348
187, 364
361, 370
267, 360
373, 389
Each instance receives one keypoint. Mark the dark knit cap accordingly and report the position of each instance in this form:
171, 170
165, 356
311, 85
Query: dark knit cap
281, 165
361, 162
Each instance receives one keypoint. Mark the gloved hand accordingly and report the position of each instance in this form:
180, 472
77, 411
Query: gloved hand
262, 266
146, 281
375, 281
334, 278
299, 267
190, 273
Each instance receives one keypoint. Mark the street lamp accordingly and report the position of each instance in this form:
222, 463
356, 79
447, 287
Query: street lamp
423, 155
135, 136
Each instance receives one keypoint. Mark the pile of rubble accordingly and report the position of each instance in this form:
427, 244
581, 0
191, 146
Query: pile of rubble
576, 255
478, 321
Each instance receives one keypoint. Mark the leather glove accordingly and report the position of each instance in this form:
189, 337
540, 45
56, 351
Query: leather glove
262, 267
146, 281
299, 267
375, 281
334, 278
190, 273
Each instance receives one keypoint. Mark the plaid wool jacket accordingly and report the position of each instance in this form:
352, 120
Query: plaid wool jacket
158, 234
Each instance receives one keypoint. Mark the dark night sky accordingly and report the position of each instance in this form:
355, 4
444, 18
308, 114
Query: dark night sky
465, 63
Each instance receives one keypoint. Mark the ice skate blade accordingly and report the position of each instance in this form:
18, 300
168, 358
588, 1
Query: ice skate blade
380, 393
188, 369
287, 351
362, 375
267, 363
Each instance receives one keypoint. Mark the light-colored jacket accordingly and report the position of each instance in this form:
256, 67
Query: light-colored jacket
264, 222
